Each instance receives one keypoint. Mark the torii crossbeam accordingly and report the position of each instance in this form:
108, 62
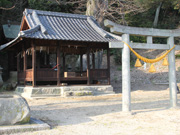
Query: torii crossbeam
125, 32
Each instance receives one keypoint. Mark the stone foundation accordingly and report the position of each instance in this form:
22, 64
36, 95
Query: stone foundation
63, 91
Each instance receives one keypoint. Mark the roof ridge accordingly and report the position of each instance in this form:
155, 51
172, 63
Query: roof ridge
38, 22
52, 13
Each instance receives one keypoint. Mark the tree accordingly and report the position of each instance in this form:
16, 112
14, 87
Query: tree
114, 10
158, 5
6, 5
11, 10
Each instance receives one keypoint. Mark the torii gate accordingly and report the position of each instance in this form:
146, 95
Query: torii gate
126, 31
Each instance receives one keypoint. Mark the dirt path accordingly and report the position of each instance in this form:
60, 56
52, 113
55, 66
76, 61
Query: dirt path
102, 115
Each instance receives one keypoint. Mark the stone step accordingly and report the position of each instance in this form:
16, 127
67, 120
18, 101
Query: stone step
64, 91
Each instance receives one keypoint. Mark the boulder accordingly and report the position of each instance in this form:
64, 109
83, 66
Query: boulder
13, 110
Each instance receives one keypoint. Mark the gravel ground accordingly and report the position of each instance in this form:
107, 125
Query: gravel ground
102, 115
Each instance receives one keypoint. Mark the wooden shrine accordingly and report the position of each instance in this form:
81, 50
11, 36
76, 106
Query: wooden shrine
51, 36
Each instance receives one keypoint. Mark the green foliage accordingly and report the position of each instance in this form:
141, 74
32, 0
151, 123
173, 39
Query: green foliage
144, 19
177, 56
141, 39
5, 3
119, 68
117, 55
168, 18
116, 78
157, 40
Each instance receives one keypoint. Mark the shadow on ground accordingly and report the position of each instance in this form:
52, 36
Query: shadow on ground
72, 113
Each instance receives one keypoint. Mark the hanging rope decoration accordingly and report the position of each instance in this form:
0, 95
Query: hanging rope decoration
152, 69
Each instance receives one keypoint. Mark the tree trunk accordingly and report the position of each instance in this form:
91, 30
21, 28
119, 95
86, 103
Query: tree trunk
97, 8
157, 15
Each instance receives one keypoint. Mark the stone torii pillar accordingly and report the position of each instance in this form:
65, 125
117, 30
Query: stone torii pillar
126, 31
126, 80
172, 74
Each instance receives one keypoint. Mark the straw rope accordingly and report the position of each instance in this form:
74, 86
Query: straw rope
146, 59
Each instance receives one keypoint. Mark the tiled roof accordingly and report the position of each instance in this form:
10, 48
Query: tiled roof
63, 26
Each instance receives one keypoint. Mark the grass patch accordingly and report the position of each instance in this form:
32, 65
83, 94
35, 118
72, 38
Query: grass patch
177, 56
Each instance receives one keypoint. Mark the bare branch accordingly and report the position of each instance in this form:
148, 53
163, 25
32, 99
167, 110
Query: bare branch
112, 9
3, 8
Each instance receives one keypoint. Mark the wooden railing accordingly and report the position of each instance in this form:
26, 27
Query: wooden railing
25, 75
46, 75
51, 75
98, 73
28, 74
41, 75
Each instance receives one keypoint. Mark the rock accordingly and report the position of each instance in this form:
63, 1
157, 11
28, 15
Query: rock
7, 87
13, 84
14, 110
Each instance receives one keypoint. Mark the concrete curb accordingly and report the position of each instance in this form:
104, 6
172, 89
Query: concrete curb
34, 125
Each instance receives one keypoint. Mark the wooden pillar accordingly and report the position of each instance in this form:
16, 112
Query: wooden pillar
58, 65
64, 62
33, 65
172, 74
81, 63
126, 79
25, 64
108, 65
88, 68
93, 60
18, 67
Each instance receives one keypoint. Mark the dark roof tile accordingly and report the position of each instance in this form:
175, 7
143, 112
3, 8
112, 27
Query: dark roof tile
63, 26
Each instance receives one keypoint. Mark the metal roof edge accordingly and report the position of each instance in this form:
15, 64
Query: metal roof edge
2, 47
